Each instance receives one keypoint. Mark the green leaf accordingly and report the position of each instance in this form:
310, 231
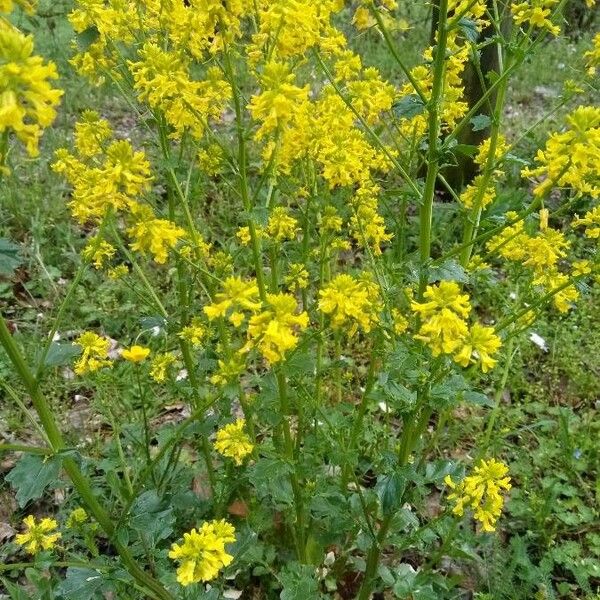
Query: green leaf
391, 492
299, 583
61, 353
9, 257
32, 475
448, 271
82, 584
469, 29
480, 122
87, 37
16, 592
152, 517
408, 107
478, 398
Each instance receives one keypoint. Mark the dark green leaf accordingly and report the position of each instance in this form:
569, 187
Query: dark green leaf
391, 493
87, 37
152, 517
448, 271
480, 122
82, 584
32, 475
408, 107
9, 257
61, 353
478, 398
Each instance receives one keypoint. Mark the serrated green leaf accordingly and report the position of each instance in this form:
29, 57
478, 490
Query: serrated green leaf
32, 475
477, 398
469, 28
152, 517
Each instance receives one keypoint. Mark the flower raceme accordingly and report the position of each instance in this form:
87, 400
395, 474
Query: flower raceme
202, 554
233, 442
27, 100
94, 353
445, 330
38, 535
482, 492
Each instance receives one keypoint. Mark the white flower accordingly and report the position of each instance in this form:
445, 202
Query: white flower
539, 341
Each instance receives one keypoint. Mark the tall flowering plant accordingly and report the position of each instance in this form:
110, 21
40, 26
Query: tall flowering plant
323, 336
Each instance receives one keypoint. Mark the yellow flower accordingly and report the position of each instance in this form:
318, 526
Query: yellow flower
274, 330
98, 251
153, 235
91, 132
351, 303
281, 225
38, 535
135, 354
276, 105
76, 518
479, 346
236, 294
202, 554
228, 371
117, 272
481, 492
194, 332
400, 322
298, 276
535, 13
591, 220
443, 331
582, 267
233, 442
27, 101
445, 294
94, 353
160, 366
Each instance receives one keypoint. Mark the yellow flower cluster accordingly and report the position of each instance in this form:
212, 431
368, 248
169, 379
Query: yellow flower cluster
541, 253
202, 554
160, 366
535, 13
273, 331
281, 225
104, 175
352, 303
367, 226
109, 177
592, 57
94, 353
482, 492
236, 296
445, 330
233, 442
570, 158
39, 535
27, 100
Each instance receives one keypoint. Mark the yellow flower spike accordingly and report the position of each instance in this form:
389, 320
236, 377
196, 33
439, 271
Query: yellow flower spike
76, 518
39, 535
481, 492
445, 294
194, 332
281, 225
202, 554
351, 303
233, 442
273, 332
27, 100
160, 366
136, 354
94, 353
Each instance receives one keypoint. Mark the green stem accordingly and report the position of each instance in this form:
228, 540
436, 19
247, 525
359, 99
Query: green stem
433, 152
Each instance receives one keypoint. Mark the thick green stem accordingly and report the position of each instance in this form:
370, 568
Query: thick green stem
80, 483
433, 152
